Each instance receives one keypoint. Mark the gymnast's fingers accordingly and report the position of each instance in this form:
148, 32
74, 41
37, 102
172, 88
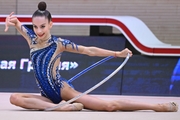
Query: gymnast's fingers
7, 22
126, 51
11, 14
130, 53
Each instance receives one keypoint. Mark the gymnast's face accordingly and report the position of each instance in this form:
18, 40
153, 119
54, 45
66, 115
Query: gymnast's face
41, 27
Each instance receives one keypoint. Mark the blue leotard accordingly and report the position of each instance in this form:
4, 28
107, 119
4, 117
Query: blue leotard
43, 63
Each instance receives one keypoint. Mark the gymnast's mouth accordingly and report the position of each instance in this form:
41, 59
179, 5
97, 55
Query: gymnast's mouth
41, 35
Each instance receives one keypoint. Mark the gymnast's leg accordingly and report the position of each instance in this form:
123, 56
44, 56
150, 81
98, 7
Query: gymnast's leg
93, 103
37, 102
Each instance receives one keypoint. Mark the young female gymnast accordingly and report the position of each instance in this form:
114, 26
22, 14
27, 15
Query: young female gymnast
45, 53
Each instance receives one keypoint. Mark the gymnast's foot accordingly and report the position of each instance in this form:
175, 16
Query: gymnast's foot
167, 107
77, 106
70, 107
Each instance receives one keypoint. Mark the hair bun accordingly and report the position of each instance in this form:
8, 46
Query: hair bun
42, 6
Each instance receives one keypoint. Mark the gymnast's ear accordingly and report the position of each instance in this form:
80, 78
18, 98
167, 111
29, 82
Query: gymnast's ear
50, 24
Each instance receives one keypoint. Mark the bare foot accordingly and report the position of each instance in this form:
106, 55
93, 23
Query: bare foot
167, 107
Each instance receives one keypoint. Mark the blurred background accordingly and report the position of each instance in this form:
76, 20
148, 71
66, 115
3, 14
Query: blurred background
161, 16
142, 75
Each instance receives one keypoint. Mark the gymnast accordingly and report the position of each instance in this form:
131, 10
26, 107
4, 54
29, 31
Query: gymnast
45, 53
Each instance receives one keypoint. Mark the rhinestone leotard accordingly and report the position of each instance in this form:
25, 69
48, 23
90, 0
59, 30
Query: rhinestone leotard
43, 64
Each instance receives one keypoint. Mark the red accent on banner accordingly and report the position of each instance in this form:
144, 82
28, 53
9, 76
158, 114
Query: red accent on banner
163, 51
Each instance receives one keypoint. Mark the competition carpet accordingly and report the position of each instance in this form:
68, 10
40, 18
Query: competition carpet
11, 112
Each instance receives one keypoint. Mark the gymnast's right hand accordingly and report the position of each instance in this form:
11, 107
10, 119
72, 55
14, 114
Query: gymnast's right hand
10, 20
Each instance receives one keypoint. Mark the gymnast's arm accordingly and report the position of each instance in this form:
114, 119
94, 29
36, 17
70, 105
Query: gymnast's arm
92, 51
95, 51
12, 20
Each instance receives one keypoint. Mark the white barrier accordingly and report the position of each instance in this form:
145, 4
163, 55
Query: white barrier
136, 31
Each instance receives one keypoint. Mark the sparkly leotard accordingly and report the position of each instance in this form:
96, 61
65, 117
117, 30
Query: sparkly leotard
43, 63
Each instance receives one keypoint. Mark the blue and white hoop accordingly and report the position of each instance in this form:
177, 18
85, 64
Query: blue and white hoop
95, 86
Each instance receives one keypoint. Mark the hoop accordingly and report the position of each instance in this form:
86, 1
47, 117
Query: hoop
89, 68
92, 88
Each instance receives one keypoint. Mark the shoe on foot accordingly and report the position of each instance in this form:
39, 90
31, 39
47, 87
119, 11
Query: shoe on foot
173, 107
77, 106
168, 107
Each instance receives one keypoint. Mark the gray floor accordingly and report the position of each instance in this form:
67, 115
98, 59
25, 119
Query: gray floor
10, 112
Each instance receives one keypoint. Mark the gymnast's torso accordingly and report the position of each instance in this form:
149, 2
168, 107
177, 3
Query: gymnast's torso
46, 59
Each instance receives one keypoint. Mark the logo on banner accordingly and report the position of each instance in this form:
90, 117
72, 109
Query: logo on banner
25, 63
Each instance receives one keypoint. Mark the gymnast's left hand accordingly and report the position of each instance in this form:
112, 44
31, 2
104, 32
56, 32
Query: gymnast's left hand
124, 53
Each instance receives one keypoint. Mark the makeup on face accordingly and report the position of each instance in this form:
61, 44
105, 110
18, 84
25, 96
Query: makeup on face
41, 27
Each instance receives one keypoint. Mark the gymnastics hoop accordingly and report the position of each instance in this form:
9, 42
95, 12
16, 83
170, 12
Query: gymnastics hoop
89, 68
92, 88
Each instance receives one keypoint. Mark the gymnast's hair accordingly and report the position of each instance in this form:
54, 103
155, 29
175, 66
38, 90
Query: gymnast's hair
42, 12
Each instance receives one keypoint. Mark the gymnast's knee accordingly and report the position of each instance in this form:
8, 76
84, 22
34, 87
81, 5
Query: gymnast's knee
110, 107
15, 98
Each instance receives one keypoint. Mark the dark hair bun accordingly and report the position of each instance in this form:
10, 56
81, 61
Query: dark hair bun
42, 6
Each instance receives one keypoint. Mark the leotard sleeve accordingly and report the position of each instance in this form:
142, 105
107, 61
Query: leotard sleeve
68, 45
29, 34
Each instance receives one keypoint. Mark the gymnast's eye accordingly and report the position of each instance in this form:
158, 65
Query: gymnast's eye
34, 26
42, 26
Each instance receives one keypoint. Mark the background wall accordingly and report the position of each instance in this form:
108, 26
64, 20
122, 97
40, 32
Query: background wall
161, 16
142, 75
